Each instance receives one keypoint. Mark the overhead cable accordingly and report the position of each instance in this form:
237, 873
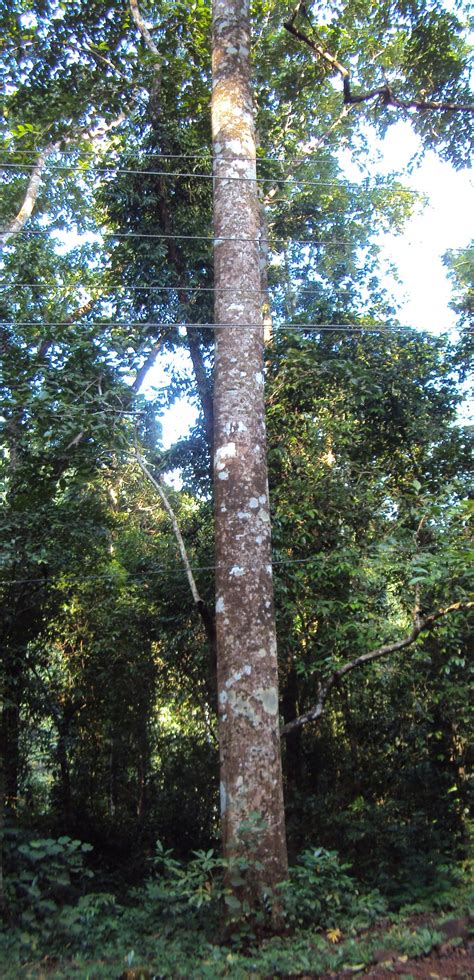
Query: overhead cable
189, 174
188, 238
171, 289
326, 327
159, 569
267, 241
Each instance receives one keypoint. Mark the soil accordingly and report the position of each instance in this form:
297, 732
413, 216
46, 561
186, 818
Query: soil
444, 961
457, 962
440, 964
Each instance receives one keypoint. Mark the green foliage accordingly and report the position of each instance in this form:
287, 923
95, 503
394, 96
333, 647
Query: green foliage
320, 892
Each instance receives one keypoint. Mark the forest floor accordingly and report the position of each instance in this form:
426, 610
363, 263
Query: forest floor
452, 958
438, 966
427, 945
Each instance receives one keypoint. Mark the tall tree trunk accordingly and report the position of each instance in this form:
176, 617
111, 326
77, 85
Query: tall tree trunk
251, 781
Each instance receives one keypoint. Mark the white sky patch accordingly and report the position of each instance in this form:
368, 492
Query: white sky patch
424, 289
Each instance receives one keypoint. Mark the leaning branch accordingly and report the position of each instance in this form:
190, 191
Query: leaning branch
17, 224
325, 688
383, 93
174, 523
145, 33
205, 614
29, 201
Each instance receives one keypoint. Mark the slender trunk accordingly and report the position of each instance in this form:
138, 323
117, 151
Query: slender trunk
10, 722
2, 812
293, 756
251, 780
112, 794
65, 776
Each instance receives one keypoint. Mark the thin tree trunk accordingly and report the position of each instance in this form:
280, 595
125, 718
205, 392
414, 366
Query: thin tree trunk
2, 811
251, 781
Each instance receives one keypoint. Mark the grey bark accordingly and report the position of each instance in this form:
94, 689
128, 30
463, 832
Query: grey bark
250, 761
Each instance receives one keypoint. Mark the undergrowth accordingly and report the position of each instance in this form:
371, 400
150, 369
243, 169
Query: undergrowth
171, 925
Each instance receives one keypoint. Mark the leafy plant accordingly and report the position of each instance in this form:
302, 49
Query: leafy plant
320, 891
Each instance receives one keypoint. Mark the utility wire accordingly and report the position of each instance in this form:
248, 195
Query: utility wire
198, 176
170, 289
159, 569
189, 238
329, 327
204, 154
288, 241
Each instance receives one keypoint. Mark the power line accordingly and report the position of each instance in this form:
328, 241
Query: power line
171, 289
288, 241
204, 154
197, 176
189, 238
339, 327
159, 569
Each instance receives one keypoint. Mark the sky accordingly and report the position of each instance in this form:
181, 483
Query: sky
423, 290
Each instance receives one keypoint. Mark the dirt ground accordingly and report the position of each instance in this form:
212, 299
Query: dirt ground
440, 965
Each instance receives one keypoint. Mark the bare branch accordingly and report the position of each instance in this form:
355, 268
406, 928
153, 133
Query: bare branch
145, 33
383, 93
29, 201
176, 530
207, 617
315, 46
147, 364
24, 214
73, 318
326, 687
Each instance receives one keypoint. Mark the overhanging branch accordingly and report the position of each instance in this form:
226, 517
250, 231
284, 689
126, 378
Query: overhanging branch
326, 687
383, 93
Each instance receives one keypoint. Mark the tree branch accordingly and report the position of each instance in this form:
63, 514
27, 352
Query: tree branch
145, 33
176, 530
383, 93
31, 195
147, 364
206, 616
24, 214
73, 318
326, 687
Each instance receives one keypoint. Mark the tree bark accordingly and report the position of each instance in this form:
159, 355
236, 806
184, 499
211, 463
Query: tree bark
251, 780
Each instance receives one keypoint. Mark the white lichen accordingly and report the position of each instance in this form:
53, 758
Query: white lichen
224, 452
269, 698
223, 796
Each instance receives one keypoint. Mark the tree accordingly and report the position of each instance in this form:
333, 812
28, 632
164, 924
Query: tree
247, 668
145, 287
